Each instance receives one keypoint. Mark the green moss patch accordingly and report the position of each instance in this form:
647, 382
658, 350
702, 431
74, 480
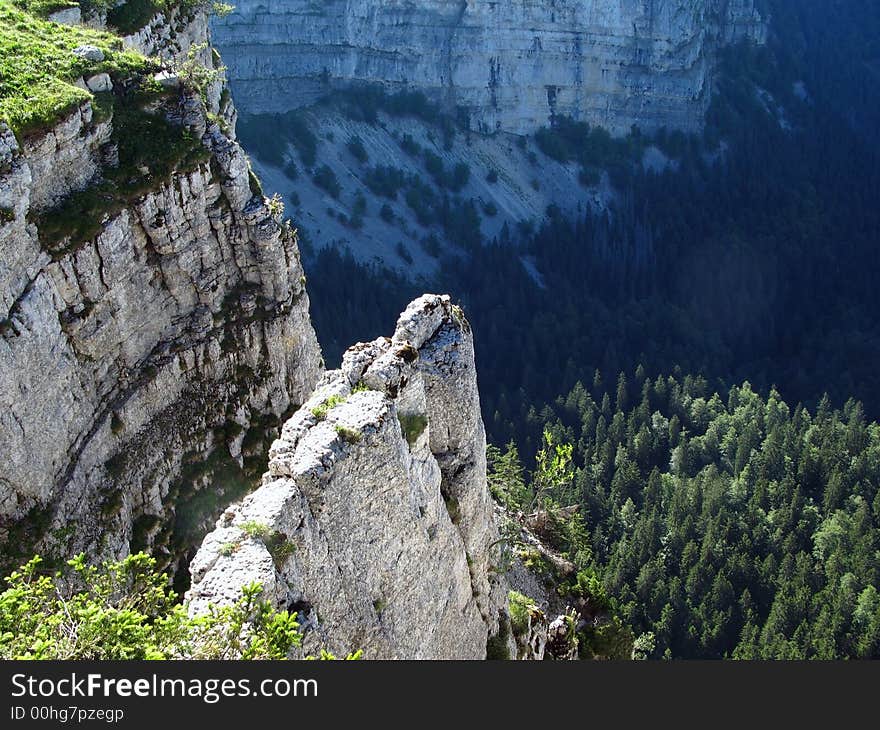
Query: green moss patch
413, 425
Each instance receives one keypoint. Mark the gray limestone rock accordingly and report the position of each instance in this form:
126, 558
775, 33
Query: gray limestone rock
89, 53
67, 16
99, 83
374, 514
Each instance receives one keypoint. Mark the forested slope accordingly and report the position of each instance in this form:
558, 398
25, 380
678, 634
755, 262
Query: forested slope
730, 526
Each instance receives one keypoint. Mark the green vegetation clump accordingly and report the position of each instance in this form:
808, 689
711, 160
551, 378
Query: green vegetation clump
349, 435
410, 146
520, 608
321, 410
355, 145
497, 648
279, 547
385, 180
38, 68
256, 530
44, 8
268, 137
413, 425
125, 610
326, 179
132, 15
592, 147
453, 180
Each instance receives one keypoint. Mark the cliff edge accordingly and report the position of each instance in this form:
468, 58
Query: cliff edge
154, 325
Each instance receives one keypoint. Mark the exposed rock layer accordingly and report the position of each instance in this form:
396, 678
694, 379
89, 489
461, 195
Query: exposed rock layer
139, 364
508, 65
374, 519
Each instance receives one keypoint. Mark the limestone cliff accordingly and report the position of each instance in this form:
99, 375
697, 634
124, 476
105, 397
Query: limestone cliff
374, 519
506, 65
150, 350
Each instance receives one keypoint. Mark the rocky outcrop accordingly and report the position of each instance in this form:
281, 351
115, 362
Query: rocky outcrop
150, 357
374, 520
506, 65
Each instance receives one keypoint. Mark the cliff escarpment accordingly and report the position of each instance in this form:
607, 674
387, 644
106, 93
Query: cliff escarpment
154, 323
507, 66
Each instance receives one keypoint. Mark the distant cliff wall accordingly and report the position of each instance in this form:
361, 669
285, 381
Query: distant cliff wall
508, 65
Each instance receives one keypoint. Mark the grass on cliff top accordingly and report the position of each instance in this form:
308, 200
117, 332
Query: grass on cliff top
38, 67
43, 8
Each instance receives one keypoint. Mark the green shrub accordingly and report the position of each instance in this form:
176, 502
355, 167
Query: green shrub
256, 530
320, 411
132, 15
410, 146
359, 152
435, 168
592, 147
385, 180
349, 435
520, 608
461, 174
403, 252
279, 547
496, 646
421, 200
325, 179
125, 610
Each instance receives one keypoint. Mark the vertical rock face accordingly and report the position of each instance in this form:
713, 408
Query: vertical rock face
509, 65
140, 363
374, 519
